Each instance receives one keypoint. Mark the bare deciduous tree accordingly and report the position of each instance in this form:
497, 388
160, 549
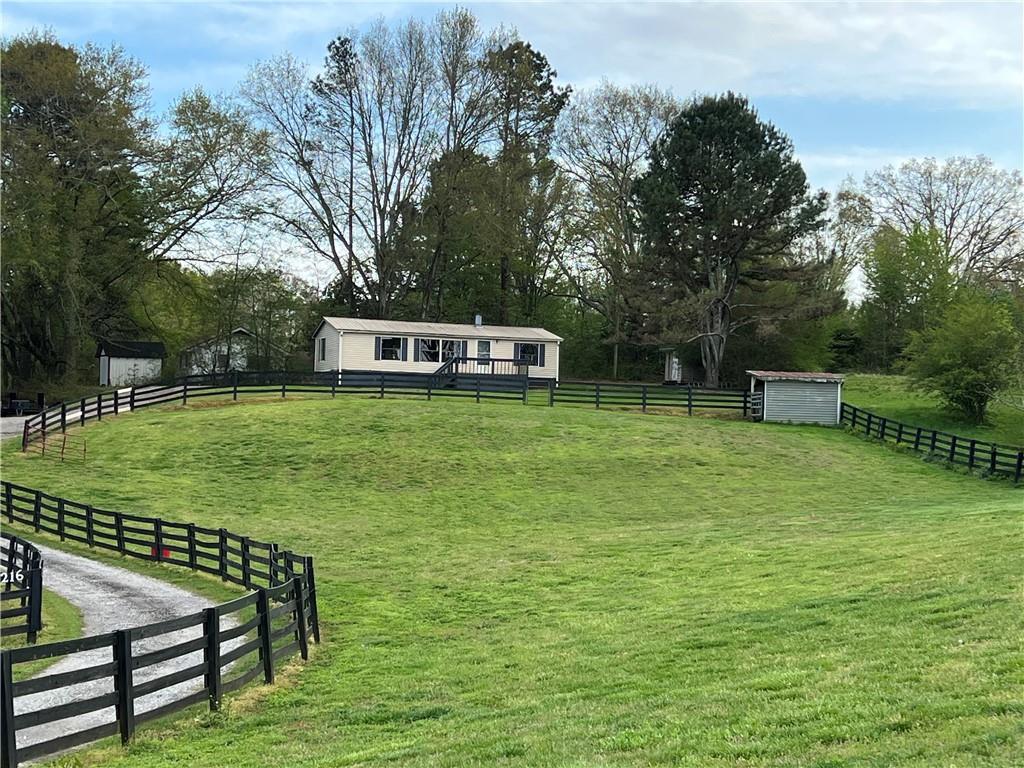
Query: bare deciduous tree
977, 208
604, 139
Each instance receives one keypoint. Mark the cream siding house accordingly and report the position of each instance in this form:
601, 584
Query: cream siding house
353, 344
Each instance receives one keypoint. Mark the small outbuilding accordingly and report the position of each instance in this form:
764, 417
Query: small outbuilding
796, 397
127, 363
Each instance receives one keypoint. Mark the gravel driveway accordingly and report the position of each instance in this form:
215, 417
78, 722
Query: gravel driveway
11, 426
113, 598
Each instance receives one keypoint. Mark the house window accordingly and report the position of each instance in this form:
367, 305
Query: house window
483, 351
323, 347
530, 353
430, 350
449, 349
391, 348
222, 362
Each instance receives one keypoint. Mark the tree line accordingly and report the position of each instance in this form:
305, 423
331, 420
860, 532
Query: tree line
434, 170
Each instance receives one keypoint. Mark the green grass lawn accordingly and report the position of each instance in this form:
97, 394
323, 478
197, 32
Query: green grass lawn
891, 396
528, 586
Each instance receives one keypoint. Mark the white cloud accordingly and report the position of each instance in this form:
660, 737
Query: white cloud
967, 54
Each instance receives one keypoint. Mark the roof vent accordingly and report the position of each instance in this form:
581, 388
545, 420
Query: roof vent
478, 320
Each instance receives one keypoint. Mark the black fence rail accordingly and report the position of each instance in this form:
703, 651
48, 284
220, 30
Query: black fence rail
644, 396
974, 454
64, 416
105, 684
21, 598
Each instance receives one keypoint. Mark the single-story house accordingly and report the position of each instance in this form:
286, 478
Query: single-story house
797, 397
353, 344
238, 350
127, 363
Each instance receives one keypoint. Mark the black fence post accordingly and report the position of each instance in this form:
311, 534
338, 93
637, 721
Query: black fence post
899, 432
478, 389
222, 553
116, 402
246, 575
867, 424
314, 613
300, 618
123, 684
526, 390
1020, 467
8, 747
934, 440
60, 518
689, 399
284, 384
81, 412
952, 449
597, 395
917, 439
35, 602
211, 655
643, 398
119, 533
184, 392
191, 545
37, 510
234, 386
882, 425
266, 645
158, 538
63, 417
99, 406
551, 392
131, 399
993, 454
970, 454
89, 526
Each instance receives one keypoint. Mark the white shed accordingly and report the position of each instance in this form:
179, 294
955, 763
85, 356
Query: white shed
127, 363
354, 344
796, 397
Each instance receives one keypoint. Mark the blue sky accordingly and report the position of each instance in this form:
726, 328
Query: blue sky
856, 85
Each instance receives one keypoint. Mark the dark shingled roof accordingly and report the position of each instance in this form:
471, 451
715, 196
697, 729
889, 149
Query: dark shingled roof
144, 349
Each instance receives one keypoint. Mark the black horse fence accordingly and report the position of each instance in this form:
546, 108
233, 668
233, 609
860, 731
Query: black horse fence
21, 600
956, 449
108, 684
61, 417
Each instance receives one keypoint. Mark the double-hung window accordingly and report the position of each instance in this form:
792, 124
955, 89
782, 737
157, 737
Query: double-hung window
390, 347
529, 353
483, 352
323, 348
438, 350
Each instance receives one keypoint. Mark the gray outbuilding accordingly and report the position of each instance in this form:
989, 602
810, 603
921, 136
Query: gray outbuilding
796, 397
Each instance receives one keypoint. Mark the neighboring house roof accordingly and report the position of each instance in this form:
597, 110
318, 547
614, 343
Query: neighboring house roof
239, 331
796, 376
134, 349
407, 328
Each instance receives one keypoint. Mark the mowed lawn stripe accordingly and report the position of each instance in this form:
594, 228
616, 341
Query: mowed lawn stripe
559, 586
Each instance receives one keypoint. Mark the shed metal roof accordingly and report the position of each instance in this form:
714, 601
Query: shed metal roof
796, 376
462, 330
132, 349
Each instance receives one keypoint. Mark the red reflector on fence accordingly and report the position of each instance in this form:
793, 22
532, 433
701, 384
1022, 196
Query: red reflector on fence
164, 553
